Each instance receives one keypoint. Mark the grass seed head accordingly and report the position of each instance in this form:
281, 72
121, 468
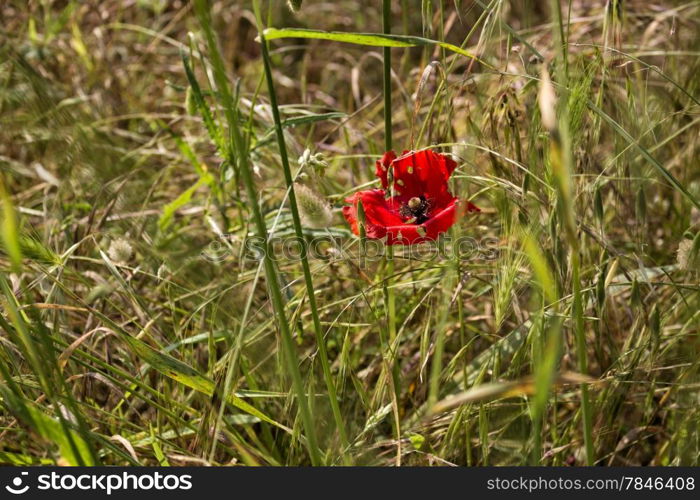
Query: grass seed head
120, 251
314, 210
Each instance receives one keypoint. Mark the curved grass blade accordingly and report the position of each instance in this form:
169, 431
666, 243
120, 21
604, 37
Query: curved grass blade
306, 119
371, 39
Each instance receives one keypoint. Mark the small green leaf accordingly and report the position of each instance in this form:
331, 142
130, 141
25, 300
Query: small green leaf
157, 450
417, 441
169, 210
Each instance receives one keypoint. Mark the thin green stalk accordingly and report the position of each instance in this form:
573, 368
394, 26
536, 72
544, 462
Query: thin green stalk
561, 40
233, 363
560, 153
320, 341
562, 168
546, 334
290, 353
386, 25
440, 331
388, 291
391, 299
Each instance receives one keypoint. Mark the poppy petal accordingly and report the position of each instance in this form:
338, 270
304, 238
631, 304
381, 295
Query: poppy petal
382, 167
423, 173
441, 221
378, 213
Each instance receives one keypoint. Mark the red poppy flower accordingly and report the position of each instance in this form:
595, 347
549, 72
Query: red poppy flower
419, 207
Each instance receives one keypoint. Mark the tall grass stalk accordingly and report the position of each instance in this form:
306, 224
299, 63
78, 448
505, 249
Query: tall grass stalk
386, 27
563, 167
243, 164
561, 162
388, 290
388, 146
308, 279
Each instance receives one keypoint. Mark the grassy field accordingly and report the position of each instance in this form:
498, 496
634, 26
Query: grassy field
178, 284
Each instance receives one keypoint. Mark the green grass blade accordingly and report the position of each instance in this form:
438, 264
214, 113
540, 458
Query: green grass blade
308, 278
371, 39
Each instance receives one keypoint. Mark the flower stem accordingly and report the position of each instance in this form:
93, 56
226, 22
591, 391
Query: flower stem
563, 169
580, 334
320, 340
391, 300
386, 24
390, 296
393, 365
290, 353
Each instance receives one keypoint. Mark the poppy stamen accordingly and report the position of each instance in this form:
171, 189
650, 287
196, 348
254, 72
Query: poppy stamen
416, 210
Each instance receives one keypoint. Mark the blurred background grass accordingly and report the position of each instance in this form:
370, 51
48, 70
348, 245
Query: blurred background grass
133, 333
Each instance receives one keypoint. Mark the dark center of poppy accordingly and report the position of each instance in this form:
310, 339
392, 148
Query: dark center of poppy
416, 209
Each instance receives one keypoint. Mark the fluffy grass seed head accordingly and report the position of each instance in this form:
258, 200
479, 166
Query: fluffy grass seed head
120, 251
314, 210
